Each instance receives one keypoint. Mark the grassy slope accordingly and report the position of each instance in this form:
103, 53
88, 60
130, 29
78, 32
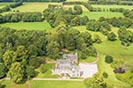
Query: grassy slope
33, 6
97, 15
111, 48
113, 6
2, 4
28, 25
45, 84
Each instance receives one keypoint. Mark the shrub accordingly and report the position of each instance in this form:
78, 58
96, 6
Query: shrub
105, 75
108, 59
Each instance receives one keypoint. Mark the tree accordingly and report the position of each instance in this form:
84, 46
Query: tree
20, 54
16, 72
71, 37
108, 59
87, 38
3, 70
111, 36
97, 39
30, 72
53, 50
96, 82
8, 58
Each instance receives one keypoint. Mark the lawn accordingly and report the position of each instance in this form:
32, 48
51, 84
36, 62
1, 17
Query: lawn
2, 4
48, 73
28, 25
88, 60
33, 6
97, 15
45, 84
113, 6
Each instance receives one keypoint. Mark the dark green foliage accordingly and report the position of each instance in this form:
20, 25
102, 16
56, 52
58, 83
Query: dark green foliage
32, 17
97, 39
3, 70
43, 69
96, 82
105, 75
16, 4
119, 22
77, 10
111, 36
30, 72
98, 26
125, 36
5, 9
108, 59
18, 53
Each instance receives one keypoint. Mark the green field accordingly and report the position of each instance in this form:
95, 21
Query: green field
28, 25
97, 15
45, 84
88, 60
2, 4
33, 6
112, 6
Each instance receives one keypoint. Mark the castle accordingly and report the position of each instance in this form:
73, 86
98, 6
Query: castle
67, 66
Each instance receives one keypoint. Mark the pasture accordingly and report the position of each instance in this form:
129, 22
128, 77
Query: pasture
45, 84
28, 25
33, 6
106, 7
97, 15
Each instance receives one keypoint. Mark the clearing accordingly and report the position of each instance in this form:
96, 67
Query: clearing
112, 6
28, 25
97, 15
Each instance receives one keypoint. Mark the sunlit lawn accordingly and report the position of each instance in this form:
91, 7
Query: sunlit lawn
113, 6
45, 84
28, 25
97, 15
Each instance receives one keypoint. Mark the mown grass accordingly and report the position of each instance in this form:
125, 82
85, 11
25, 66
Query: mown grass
2, 4
33, 6
48, 73
97, 15
88, 60
106, 7
45, 84
57, 84
28, 25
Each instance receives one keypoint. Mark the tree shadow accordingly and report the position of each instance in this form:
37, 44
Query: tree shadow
3, 86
